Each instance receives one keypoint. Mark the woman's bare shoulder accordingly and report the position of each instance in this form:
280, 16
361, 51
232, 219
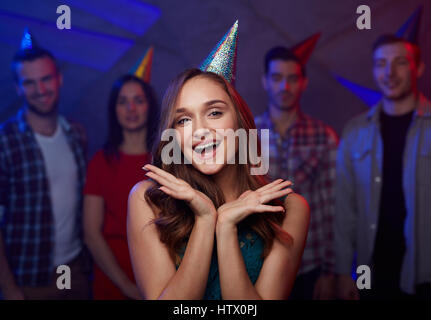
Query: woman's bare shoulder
141, 187
137, 201
296, 205
297, 201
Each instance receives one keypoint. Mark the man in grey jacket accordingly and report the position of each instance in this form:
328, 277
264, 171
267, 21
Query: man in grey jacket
383, 189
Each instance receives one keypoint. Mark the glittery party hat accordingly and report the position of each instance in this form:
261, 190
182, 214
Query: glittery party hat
304, 49
143, 68
28, 42
369, 96
222, 59
410, 29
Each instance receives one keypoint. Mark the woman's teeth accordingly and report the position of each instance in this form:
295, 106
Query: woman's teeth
206, 147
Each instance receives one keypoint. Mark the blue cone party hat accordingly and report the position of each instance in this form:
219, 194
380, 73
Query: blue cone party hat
410, 29
369, 96
222, 59
28, 42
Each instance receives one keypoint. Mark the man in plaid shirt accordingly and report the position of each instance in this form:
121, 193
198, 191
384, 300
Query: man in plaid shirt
302, 150
42, 170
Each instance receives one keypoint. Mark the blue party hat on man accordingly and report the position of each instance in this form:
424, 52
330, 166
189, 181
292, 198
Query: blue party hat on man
28, 42
410, 29
222, 59
369, 96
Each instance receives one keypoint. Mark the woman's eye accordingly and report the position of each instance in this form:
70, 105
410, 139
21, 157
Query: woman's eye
215, 113
140, 100
182, 121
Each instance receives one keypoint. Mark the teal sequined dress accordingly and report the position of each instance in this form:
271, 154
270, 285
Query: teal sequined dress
251, 246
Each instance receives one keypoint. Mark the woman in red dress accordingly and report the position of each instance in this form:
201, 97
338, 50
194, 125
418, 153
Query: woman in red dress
113, 171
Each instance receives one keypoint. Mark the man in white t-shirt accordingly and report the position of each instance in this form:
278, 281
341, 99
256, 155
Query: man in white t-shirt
42, 171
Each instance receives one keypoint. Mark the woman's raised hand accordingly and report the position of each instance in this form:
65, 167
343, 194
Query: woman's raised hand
199, 203
253, 202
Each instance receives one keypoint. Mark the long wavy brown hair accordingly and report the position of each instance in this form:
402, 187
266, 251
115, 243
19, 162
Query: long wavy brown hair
174, 220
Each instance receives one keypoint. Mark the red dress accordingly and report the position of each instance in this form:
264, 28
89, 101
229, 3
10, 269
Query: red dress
113, 181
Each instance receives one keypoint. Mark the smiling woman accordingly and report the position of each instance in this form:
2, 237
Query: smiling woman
175, 219
201, 114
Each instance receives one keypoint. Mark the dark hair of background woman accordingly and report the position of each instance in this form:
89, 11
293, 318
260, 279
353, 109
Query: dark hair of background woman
115, 131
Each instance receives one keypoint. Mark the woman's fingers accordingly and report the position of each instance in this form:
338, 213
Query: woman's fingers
277, 187
268, 208
169, 192
274, 195
274, 186
161, 180
175, 194
160, 172
269, 185
171, 185
173, 189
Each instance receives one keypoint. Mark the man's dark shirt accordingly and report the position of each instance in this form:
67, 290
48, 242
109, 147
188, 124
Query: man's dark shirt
390, 243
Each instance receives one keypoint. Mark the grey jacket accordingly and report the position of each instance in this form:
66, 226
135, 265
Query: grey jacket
358, 187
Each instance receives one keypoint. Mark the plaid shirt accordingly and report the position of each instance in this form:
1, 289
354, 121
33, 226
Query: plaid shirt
26, 217
306, 155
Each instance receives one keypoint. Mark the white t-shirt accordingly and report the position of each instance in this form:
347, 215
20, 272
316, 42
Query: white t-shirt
62, 173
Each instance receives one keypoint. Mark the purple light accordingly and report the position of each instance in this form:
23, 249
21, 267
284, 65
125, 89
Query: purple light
88, 48
369, 96
134, 16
